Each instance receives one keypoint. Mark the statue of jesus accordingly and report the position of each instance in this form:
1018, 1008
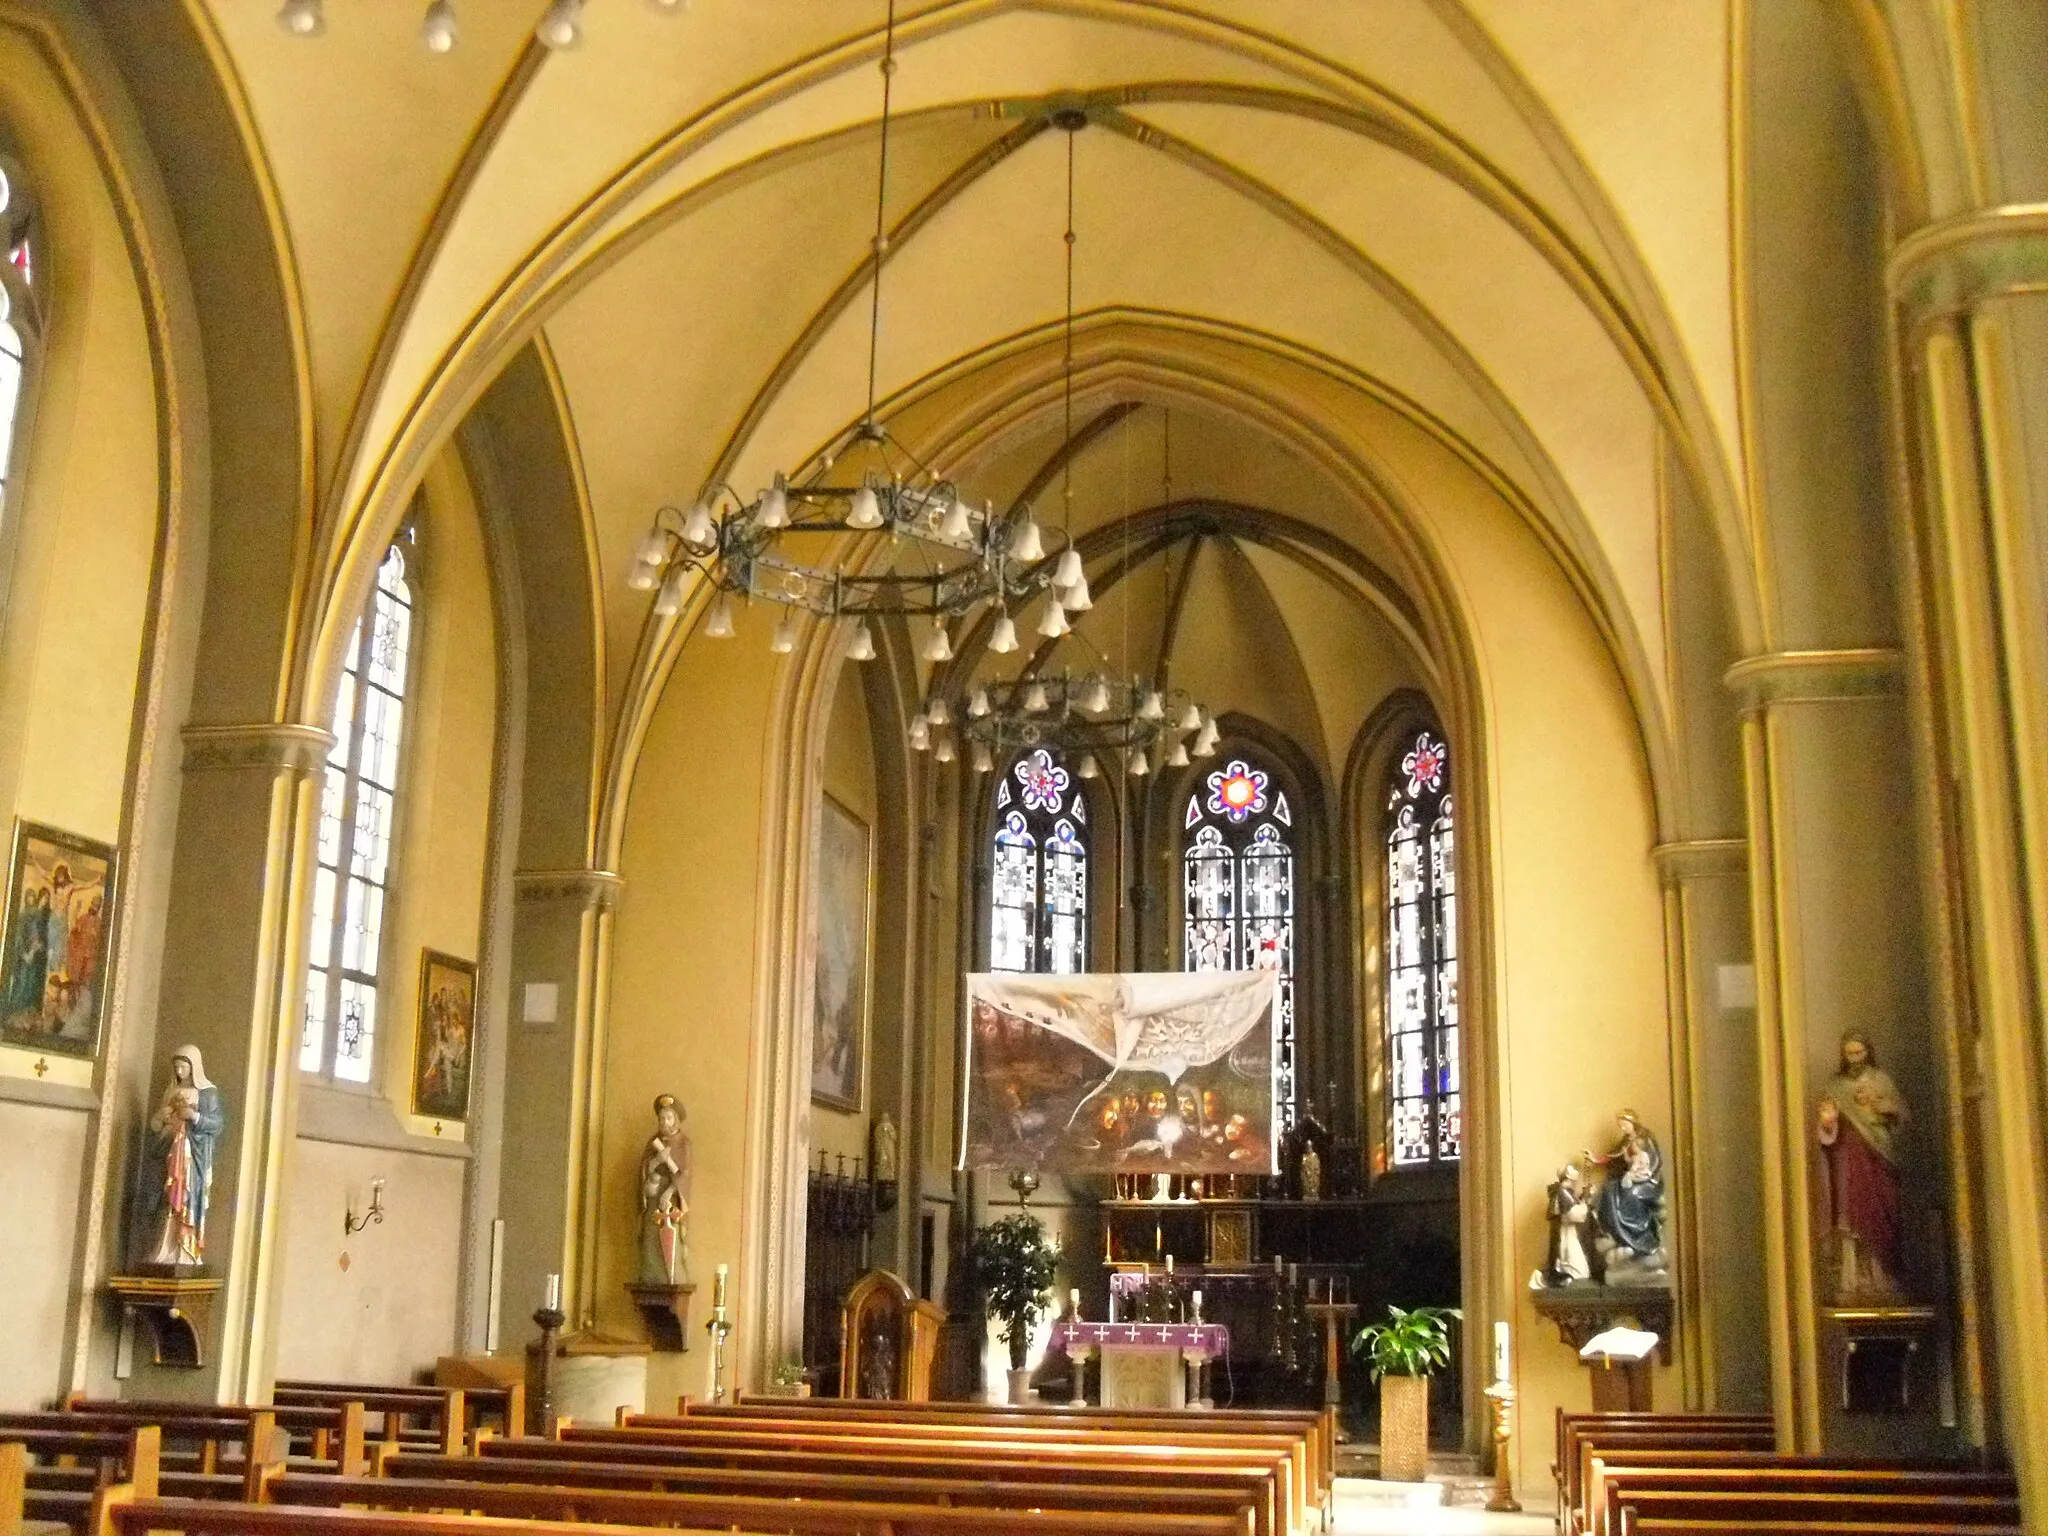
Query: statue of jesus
1858, 1123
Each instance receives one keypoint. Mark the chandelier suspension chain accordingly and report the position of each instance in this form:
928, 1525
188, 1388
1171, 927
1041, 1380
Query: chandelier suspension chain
1067, 460
881, 243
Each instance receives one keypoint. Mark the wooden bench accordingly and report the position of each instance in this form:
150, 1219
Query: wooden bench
1318, 1425
49, 1477
120, 1513
1582, 1435
502, 1408
1662, 1527
1236, 1495
432, 1417
800, 1516
327, 1436
1957, 1512
873, 1463
1613, 1482
969, 1441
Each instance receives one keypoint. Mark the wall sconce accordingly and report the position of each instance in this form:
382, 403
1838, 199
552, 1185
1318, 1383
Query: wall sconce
351, 1223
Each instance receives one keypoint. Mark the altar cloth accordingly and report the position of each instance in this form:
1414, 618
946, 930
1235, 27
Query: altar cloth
1199, 1341
1144, 1365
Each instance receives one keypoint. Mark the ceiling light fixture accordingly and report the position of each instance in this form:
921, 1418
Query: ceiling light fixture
561, 24
302, 18
439, 31
941, 559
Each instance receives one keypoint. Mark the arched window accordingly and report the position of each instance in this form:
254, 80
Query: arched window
17, 315
1237, 891
1038, 891
358, 802
1423, 1101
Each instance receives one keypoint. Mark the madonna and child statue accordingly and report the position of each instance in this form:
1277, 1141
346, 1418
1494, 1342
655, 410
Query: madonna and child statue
174, 1178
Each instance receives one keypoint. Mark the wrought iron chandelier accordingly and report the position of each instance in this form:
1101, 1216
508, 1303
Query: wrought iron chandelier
1087, 714
945, 559
560, 26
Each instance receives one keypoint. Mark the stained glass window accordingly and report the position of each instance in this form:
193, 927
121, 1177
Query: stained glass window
1237, 891
1423, 1097
1038, 886
357, 804
17, 316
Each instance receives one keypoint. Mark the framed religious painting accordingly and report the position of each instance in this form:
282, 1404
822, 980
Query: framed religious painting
444, 1042
54, 936
839, 993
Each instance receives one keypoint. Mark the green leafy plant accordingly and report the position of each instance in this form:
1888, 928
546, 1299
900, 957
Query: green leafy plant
1012, 1262
791, 1373
1415, 1342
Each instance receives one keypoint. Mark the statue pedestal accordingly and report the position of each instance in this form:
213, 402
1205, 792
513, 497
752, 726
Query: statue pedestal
595, 1376
665, 1309
1875, 1353
1582, 1311
177, 1308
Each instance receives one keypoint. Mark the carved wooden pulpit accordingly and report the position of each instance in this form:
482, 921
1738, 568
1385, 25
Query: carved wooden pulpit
888, 1338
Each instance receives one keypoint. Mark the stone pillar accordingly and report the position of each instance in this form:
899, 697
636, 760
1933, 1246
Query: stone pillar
1835, 911
234, 985
1972, 294
554, 1091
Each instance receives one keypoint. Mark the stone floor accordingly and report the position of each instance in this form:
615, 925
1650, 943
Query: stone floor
1365, 1507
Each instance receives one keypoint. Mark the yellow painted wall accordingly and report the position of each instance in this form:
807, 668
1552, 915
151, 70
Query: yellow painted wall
83, 498
381, 1305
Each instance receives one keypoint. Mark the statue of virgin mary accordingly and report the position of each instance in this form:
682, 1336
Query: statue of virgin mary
175, 1178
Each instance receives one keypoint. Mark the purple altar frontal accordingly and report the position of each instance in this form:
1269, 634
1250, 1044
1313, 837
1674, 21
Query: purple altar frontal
1201, 1341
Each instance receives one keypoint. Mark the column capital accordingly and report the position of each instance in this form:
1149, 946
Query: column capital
1958, 263
269, 746
1699, 858
595, 889
1815, 677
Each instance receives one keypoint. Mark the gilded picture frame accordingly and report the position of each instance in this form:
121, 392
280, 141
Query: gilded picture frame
56, 937
444, 1037
842, 976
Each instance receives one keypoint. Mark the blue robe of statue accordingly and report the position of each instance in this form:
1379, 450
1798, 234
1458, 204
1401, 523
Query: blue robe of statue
175, 1181
29, 967
1628, 1211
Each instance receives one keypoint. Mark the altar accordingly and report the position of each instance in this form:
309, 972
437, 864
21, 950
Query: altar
1144, 1365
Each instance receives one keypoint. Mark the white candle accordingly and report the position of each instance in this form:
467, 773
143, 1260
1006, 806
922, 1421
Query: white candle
554, 1293
1198, 1306
1500, 1351
718, 1290
1169, 1263
1074, 1301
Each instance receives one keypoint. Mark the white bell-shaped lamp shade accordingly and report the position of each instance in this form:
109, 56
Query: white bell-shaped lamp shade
938, 644
1153, 707
1052, 619
643, 577
783, 641
866, 511
944, 750
920, 734
939, 712
1095, 697
1088, 768
439, 31
1075, 599
1068, 571
977, 704
653, 547
1002, 635
1205, 741
718, 623
302, 18
1178, 757
958, 523
860, 645
1035, 700
1138, 767
668, 602
700, 529
1029, 545
1191, 718
561, 25
774, 511
983, 762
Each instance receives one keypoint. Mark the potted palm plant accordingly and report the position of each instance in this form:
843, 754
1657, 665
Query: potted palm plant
1012, 1262
1403, 1352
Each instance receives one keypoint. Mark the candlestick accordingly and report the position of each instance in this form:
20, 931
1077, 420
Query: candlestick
554, 1294
1500, 1351
718, 1288
1169, 1264
1276, 1263
1074, 1301
1198, 1307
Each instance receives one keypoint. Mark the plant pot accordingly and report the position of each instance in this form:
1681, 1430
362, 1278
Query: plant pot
1020, 1386
1404, 1428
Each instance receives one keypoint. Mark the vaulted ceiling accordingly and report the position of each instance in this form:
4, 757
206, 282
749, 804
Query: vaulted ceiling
1505, 225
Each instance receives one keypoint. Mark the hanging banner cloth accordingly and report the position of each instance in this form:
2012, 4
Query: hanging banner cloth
1149, 1072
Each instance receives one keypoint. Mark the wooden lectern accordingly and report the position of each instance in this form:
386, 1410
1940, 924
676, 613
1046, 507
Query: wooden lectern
888, 1338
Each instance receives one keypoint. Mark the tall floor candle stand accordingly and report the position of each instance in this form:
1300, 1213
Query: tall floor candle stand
1500, 1397
718, 1327
549, 1320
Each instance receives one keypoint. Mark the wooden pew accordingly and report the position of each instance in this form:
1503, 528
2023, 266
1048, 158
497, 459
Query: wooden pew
120, 1513
967, 1441
443, 1411
1319, 1425
1239, 1495
501, 1408
56, 1472
1613, 1481
1581, 1435
329, 1436
806, 1516
1957, 1512
1677, 1527
873, 1462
